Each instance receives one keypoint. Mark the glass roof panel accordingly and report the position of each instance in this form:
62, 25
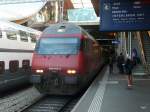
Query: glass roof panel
83, 14
19, 9
76, 1
18, 1
83, 11
88, 5
83, 3
77, 5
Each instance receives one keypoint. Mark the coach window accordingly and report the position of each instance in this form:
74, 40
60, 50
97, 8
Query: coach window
13, 66
23, 36
26, 64
11, 35
2, 67
33, 38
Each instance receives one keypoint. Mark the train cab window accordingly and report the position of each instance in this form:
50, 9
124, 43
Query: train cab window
2, 67
33, 38
25, 64
23, 36
12, 35
58, 46
13, 66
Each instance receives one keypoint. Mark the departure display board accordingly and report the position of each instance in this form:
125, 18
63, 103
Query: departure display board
121, 15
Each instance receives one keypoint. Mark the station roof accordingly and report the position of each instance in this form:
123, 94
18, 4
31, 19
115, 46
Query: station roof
19, 9
22, 10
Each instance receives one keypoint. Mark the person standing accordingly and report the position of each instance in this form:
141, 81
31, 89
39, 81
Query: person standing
110, 65
120, 62
128, 68
134, 56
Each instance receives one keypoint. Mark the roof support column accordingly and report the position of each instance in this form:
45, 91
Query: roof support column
59, 9
56, 11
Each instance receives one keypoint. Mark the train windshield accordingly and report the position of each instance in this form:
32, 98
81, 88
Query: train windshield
58, 46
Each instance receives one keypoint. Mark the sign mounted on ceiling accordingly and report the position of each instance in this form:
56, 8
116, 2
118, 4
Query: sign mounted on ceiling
115, 42
121, 15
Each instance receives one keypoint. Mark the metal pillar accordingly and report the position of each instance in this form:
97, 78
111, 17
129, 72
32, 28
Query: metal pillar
130, 43
56, 11
61, 10
125, 44
121, 42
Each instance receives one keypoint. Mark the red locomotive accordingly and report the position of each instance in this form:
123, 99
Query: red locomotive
65, 59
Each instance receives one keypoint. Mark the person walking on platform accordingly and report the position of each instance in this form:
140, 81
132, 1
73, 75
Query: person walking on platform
120, 62
110, 65
128, 68
135, 57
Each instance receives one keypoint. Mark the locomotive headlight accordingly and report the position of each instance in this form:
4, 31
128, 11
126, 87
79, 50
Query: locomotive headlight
71, 71
39, 71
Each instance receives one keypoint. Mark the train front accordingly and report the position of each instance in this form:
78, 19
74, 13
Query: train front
56, 64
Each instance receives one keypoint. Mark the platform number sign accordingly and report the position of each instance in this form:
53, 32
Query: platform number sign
121, 15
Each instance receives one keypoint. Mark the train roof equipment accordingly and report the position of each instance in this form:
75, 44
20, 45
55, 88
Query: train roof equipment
64, 28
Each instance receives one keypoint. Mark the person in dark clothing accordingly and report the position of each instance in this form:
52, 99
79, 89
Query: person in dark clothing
128, 68
120, 62
110, 64
135, 58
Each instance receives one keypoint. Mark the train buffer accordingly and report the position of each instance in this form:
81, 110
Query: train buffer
111, 94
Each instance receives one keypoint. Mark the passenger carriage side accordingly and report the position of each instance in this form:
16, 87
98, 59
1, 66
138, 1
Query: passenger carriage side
16, 48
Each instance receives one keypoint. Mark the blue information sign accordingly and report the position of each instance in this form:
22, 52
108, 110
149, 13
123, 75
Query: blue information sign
115, 42
121, 15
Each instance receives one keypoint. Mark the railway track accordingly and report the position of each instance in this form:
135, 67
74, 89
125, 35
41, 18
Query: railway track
57, 103
31, 100
54, 104
20, 100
